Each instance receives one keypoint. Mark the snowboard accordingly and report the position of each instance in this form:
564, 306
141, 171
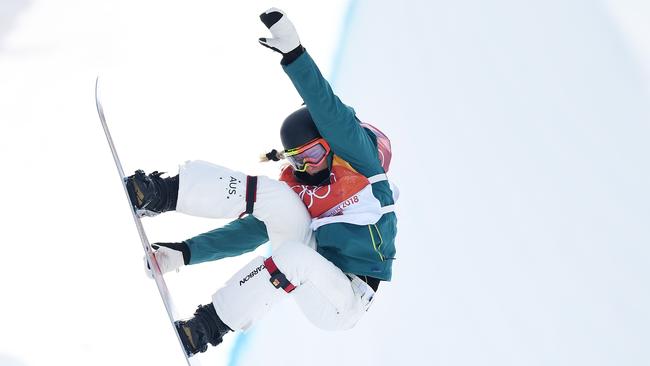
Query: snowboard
155, 269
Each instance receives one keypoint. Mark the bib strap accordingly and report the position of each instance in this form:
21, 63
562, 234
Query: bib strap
377, 178
387, 209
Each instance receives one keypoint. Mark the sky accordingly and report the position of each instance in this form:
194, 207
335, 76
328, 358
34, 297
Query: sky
519, 132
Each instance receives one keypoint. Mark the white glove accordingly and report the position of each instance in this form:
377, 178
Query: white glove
285, 38
170, 257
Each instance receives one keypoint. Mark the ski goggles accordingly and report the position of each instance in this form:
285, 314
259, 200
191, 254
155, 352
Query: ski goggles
310, 154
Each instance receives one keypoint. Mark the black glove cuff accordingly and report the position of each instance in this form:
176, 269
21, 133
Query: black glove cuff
292, 55
181, 247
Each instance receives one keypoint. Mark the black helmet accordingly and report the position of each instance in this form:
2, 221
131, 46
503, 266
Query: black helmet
298, 129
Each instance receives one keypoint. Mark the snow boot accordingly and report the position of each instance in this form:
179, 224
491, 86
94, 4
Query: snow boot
151, 194
205, 327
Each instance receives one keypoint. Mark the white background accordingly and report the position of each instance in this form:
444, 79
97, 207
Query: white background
520, 132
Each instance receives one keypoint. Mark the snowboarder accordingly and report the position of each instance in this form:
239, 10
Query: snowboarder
329, 218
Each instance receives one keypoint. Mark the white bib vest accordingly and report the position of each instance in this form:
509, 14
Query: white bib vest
348, 198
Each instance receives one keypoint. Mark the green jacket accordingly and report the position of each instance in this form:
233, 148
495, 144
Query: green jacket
362, 250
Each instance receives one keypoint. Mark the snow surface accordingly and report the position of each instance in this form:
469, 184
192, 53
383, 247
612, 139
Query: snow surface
520, 134
179, 82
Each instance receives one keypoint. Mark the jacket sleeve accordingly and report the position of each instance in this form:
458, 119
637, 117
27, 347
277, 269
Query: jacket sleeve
335, 121
237, 237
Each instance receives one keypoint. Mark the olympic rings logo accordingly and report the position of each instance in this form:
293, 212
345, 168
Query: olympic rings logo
314, 192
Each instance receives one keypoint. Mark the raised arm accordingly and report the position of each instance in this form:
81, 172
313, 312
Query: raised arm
336, 122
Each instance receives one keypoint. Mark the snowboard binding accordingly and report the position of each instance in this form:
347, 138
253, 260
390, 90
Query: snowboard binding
205, 327
150, 194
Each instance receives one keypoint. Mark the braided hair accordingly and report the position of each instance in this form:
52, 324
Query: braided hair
273, 155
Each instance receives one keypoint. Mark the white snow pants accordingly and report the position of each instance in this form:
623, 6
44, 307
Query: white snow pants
330, 299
